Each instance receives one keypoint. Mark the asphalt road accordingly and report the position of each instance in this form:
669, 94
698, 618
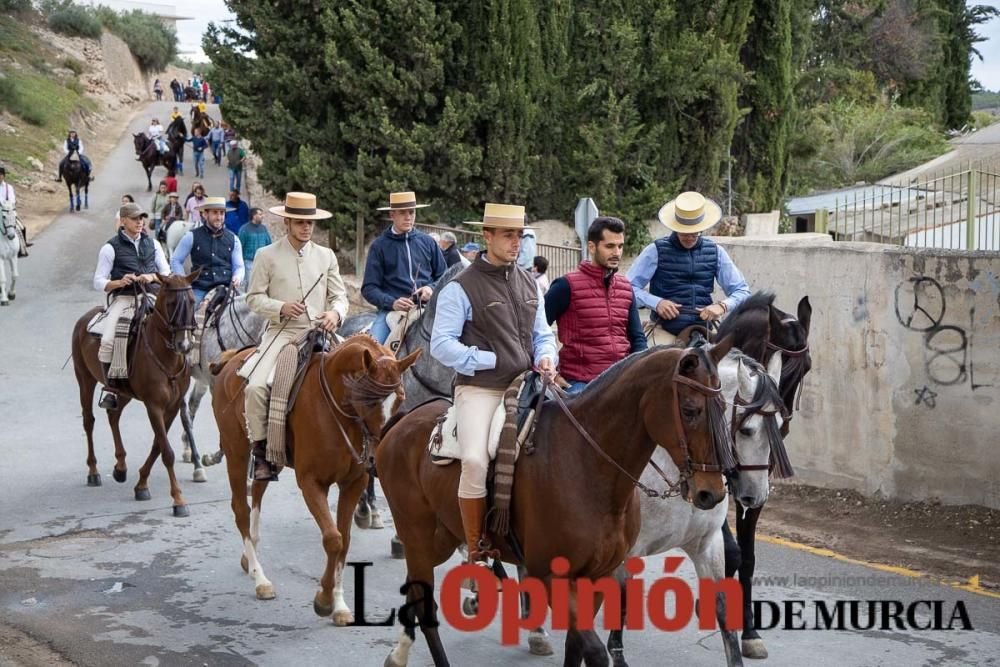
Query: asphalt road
105, 580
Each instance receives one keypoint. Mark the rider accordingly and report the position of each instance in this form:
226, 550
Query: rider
296, 285
70, 146
681, 270
489, 327
156, 134
129, 259
598, 318
403, 264
213, 248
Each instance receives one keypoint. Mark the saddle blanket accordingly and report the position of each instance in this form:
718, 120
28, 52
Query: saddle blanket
399, 322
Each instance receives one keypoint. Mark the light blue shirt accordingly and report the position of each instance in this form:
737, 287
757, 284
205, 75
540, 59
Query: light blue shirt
183, 249
526, 256
454, 309
726, 274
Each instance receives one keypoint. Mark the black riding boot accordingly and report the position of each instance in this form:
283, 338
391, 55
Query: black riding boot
109, 399
263, 470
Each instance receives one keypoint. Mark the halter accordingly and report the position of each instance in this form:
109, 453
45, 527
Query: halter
182, 309
753, 407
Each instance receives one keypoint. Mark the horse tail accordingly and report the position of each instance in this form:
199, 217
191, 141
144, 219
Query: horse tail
216, 368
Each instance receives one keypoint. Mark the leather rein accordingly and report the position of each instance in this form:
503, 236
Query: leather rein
172, 330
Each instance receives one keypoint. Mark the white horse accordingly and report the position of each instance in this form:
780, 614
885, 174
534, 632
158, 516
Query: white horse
674, 523
175, 232
9, 246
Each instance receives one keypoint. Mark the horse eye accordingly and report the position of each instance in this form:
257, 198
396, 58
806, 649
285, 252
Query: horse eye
747, 431
690, 413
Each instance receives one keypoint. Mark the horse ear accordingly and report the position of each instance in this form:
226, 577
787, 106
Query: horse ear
774, 368
689, 363
774, 319
193, 276
721, 349
805, 312
409, 359
368, 359
745, 379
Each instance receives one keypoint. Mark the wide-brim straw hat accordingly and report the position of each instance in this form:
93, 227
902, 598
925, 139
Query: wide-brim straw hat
502, 216
401, 201
300, 206
690, 213
213, 203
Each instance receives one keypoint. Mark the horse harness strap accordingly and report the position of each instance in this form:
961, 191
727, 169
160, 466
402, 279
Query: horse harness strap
362, 458
708, 392
751, 408
171, 328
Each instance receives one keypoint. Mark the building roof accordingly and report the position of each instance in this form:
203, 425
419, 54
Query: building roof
861, 196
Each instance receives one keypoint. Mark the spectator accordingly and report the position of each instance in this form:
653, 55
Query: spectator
194, 204
158, 204
253, 236
158, 91
526, 256
217, 138
470, 251
539, 266
194, 186
234, 162
204, 91
449, 247
237, 212
172, 211
126, 199
198, 146
171, 182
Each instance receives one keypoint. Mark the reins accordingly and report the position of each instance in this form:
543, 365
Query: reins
181, 310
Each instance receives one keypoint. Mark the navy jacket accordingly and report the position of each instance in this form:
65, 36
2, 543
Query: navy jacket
686, 277
398, 264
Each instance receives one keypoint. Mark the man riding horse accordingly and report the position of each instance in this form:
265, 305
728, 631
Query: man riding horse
156, 134
127, 261
296, 285
212, 248
70, 146
490, 327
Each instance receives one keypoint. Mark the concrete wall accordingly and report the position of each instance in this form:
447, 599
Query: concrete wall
904, 395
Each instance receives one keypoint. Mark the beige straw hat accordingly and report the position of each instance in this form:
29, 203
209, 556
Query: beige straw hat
402, 201
690, 213
301, 206
502, 216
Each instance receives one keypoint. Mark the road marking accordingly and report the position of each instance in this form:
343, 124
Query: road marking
970, 586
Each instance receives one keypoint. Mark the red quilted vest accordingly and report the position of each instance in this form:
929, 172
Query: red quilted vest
594, 330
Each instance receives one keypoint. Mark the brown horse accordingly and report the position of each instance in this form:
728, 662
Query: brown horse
158, 377
570, 498
347, 395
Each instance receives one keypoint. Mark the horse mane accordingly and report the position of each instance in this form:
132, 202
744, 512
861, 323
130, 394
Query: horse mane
762, 300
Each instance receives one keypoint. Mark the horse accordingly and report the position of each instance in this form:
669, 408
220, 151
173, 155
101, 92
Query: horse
753, 423
191, 94
762, 330
75, 175
229, 325
9, 247
201, 120
580, 492
346, 397
151, 158
175, 232
177, 135
158, 377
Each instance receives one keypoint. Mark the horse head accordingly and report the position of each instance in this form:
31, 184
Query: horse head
789, 336
175, 309
140, 141
8, 220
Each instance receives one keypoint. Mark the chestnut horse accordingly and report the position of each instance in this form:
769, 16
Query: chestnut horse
158, 377
346, 398
574, 495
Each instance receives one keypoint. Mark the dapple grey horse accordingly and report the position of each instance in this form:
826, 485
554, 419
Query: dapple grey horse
9, 246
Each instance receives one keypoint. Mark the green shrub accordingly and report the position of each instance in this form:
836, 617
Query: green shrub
15, 5
73, 65
74, 20
75, 86
153, 44
981, 119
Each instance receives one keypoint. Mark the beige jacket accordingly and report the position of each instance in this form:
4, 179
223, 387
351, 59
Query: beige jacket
281, 274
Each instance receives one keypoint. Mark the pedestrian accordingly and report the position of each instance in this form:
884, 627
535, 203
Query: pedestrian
194, 188
158, 90
217, 137
237, 212
171, 212
449, 248
204, 91
403, 264
681, 270
234, 162
489, 328
199, 144
538, 269
157, 205
596, 310
253, 236
194, 205
470, 251
230, 133
171, 182
126, 199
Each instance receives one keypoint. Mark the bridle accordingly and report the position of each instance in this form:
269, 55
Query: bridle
370, 390
182, 311
688, 468
753, 407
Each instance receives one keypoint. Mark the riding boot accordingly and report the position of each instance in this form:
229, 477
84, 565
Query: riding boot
263, 470
473, 512
109, 398
59, 176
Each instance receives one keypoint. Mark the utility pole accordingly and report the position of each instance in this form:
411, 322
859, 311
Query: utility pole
359, 223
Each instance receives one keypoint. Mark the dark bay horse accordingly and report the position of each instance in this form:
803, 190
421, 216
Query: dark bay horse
151, 158
346, 398
761, 330
571, 498
177, 135
75, 176
158, 377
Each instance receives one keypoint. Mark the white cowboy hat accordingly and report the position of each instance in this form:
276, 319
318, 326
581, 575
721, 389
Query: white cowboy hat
690, 213
402, 201
211, 203
502, 216
301, 206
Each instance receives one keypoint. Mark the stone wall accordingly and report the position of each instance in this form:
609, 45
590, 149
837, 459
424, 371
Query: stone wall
904, 396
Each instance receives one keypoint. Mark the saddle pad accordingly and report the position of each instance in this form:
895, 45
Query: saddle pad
398, 323
95, 326
449, 449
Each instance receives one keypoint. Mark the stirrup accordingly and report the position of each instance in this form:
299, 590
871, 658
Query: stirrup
109, 400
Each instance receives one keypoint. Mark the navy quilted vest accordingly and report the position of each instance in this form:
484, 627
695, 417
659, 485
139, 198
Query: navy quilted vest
686, 277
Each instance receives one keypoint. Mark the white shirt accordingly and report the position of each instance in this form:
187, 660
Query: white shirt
106, 260
7, 193
155, 131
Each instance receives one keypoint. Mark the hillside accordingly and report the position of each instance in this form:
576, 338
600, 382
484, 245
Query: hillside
49, 83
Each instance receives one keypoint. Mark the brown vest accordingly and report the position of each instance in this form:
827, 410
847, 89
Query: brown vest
504, 303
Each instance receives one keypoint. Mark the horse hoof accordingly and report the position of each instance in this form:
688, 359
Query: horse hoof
396, 549
362, 519
181, 511
265, 592
94, 480
119, 475
470, 607
4, 303
186, 456
199, 475
342, 618
12, 296
245, 564
377, 521
753, 649
538, 644
390, 661
322, 608
142, 494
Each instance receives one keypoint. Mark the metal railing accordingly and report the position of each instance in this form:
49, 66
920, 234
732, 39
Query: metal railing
959, 210
562, 259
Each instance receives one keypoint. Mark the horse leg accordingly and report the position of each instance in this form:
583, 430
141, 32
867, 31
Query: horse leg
616, 646
247, 519
348, 493
4, 301
77, 196
86, 196
120, 471
362, 513
167, 454
710, 563
376, 523
315, 495
87, 384
746, 531
538, 639
420, 598
188, 411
